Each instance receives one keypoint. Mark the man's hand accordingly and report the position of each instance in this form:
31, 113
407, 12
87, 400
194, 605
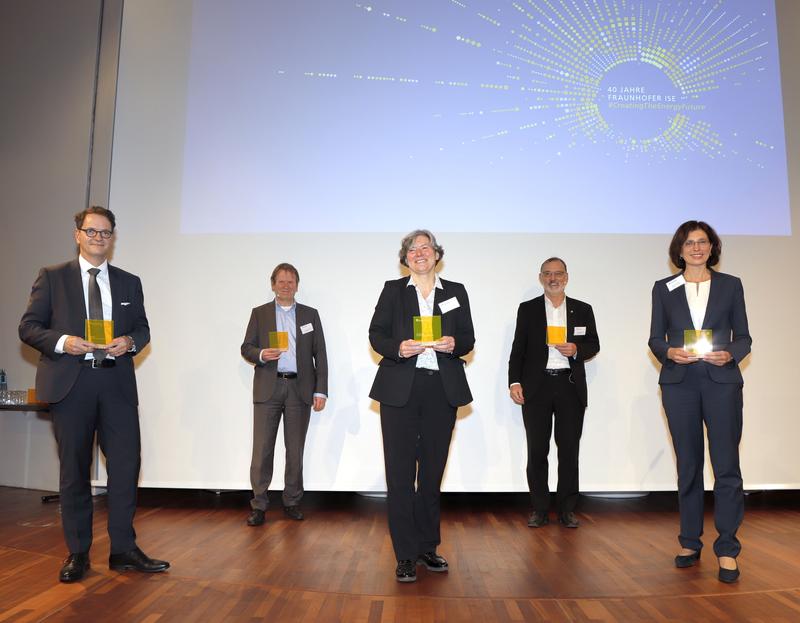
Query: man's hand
445, 345
75, 345
270, 354
516, 394
718, 357
118, 346
319, 403
568, 349
678, 355
410, 348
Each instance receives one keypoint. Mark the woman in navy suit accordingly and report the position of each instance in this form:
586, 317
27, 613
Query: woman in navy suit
703, 387
419, 386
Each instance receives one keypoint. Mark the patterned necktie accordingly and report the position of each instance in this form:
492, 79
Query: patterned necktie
95, 306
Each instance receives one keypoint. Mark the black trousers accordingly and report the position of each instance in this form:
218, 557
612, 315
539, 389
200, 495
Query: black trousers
556, 398
698, 400
416, 442
95, 403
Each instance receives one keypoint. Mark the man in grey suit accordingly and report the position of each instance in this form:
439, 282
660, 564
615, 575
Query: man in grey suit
287, 382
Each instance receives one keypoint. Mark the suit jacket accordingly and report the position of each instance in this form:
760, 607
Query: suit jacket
312, 359
57, 307
529, 351
393, 323
725, 316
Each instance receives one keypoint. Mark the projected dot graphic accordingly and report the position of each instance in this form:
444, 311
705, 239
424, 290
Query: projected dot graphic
636, 74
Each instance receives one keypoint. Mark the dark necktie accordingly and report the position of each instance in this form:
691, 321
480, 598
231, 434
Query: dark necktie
95, 306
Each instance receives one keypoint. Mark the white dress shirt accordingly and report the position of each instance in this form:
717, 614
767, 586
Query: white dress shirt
427, 358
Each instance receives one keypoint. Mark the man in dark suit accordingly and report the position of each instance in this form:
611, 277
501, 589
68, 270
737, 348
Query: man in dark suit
286, 382
91, 387
555, 334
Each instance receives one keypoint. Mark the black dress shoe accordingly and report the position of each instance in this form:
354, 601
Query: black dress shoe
74, 568
406, 571
538, 519
432, 562
136, 560
729, 576
256, 517
293, 512
568, 519
682, 562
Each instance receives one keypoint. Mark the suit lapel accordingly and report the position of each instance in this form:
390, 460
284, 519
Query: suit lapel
681, 304
116, 297
712, 298
270, 321
540, 321
410, 307
76, 302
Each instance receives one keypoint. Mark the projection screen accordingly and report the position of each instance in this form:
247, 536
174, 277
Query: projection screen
319, 132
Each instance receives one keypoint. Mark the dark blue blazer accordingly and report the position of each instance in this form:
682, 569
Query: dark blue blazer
393, 323
57, 307
725, 316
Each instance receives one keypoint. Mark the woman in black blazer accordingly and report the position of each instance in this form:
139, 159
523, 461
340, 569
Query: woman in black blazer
703, 387
419, 388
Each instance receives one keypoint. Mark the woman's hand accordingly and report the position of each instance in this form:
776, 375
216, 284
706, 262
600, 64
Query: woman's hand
445, 345
410, 348
680, 356
718, 357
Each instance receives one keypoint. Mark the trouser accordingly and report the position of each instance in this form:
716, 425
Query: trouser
285, 402
416, 442
96, 403
557, 399
688, 405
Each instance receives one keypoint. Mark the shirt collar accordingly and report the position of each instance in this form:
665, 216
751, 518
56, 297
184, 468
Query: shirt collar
279, 306
86, 265
437, 284
549, 304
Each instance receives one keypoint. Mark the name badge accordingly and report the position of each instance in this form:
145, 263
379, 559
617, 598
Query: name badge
449, 305
579, 331
306, 328
676, 283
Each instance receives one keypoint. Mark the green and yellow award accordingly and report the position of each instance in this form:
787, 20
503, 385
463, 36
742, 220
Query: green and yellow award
427, 329
279, 339
556, 335
697, 342
99, 331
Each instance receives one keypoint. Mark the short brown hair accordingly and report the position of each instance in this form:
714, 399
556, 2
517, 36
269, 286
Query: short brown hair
682, 233
81, 216
288, 268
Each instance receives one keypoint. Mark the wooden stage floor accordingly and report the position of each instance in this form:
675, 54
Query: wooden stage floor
338, 564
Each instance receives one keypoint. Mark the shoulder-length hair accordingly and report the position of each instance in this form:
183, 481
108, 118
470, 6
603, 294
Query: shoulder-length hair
682, 233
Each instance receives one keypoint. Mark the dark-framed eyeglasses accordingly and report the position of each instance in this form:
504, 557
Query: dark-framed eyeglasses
91, 232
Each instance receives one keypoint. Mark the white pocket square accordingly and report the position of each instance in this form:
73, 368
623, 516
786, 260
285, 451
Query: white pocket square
123, 303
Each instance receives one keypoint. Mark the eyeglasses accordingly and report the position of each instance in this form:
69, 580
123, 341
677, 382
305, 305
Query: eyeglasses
703, 242
558, 274
423, 248
105, 234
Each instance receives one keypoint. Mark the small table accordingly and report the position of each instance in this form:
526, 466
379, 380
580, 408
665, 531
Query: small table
29, 407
